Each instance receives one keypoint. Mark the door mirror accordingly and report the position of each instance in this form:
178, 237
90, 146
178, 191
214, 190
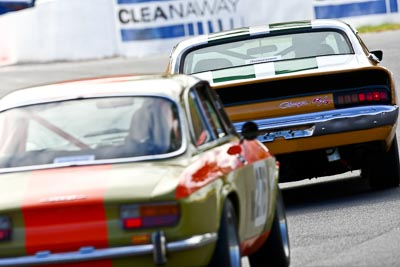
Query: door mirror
378, 54
250, 130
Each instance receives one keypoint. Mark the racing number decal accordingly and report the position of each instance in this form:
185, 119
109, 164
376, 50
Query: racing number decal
259, 209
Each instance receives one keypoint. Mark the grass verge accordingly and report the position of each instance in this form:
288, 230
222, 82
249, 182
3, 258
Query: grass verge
379, 28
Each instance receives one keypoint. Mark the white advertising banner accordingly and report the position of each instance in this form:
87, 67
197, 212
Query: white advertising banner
151, 25
145, 26
272, 11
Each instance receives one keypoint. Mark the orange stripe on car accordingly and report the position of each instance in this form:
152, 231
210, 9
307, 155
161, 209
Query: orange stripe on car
64, 210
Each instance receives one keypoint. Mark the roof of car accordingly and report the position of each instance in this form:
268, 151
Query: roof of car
170, 86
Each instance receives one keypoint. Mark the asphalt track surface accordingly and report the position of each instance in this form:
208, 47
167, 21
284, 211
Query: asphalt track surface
333, 221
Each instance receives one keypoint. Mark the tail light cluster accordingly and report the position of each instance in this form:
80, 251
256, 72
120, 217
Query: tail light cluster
362, 97
149, 215
5, 228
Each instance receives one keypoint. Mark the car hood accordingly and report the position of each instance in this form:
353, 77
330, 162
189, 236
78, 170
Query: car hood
284, 68
87, 184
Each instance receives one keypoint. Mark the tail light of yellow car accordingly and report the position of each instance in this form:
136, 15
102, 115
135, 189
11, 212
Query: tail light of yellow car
139, 216
5, 228
364, 97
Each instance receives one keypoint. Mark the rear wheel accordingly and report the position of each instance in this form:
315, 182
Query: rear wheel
382, 169
276, 250
227, 251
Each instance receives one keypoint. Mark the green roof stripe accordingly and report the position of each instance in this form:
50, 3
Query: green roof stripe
242, 73
284, 67
233, 78
248, 72
290, 26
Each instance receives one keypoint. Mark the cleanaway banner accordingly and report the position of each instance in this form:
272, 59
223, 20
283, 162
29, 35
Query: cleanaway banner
151, 24
145, 26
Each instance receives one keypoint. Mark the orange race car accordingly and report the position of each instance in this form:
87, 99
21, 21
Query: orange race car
321, 100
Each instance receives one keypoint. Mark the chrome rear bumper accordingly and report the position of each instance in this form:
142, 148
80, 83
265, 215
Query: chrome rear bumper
325, 122
158, 249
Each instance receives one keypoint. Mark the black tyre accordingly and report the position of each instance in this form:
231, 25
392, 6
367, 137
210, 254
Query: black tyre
276, 249
227, 251
383, 169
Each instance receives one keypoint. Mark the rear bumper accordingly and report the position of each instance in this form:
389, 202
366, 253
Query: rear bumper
325, 122
158, 249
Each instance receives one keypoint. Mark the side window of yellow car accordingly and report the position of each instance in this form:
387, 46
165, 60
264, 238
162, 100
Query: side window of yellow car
206, 123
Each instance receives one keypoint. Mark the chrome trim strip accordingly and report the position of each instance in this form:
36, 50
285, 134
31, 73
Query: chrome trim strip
91, 254
325, 122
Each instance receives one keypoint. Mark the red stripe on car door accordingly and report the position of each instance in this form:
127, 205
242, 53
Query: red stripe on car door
64, 211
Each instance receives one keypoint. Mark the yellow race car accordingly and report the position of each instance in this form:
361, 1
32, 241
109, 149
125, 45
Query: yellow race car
321, 100
134, 171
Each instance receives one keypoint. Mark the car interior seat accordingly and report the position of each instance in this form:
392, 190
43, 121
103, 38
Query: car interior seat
212, 64
325, 49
